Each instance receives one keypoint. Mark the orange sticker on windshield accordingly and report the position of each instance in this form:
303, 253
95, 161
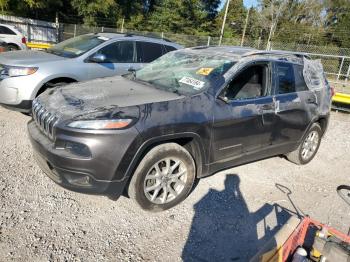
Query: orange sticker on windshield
204, 71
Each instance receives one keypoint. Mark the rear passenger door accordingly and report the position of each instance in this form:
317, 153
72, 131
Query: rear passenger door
148, 51
295, 103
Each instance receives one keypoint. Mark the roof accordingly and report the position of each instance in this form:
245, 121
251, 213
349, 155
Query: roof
238, 52
141, 37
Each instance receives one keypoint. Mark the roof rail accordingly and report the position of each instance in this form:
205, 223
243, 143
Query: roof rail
149, 36
278, 52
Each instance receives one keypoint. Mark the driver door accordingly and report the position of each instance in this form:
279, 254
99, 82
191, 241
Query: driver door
244, 114
120, 57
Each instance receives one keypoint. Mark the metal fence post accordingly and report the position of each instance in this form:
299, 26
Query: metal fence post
28, 33
347, 74
208, 43
341, 67
75, 30
122, 29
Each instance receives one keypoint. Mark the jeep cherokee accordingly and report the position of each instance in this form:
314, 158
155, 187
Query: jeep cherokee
186, 115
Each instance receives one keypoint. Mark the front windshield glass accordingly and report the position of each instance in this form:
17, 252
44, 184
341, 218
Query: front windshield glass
77, 46
184, 72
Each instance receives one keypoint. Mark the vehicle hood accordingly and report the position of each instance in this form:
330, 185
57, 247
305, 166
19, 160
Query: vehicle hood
98, 97
27, 58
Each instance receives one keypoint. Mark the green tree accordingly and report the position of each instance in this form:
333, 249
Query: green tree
92, 10
338, 22
234, 21
3, 5
178, 16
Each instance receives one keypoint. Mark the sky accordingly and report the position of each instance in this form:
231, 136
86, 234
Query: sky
247, 3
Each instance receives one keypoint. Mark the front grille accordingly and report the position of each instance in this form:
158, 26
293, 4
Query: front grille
44, 119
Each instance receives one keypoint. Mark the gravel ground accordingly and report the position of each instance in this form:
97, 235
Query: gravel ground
227, 217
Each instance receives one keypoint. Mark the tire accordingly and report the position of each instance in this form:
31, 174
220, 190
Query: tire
160, 190
12, 47
307, 149
344, 192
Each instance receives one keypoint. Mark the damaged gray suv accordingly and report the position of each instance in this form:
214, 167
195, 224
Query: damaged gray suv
191, 113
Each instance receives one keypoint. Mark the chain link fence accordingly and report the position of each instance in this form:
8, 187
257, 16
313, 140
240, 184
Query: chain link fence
335, 60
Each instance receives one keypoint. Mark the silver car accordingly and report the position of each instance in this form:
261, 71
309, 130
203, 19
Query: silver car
26, 74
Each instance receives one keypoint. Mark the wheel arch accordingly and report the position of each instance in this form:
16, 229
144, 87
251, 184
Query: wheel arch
54, 80
13, 44
323, 122
190, 141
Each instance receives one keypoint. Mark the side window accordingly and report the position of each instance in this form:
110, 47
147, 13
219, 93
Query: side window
168, 48
119, 52
250, 83
285, 77
149, 51
300, 84
6, 31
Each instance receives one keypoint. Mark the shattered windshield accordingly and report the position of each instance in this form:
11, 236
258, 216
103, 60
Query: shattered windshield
77, 46
183, 72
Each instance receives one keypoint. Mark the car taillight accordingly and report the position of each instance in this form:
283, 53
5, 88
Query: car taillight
332, 91
24, 40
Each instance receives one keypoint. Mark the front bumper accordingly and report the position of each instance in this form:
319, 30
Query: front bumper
98, 173
17, 93
24, 106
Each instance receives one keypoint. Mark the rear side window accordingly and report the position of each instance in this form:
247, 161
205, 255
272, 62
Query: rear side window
119, 52
6, 31
300, 84
285, 78
147, 52
169, 48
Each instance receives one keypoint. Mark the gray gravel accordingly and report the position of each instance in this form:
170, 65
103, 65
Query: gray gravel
228, 216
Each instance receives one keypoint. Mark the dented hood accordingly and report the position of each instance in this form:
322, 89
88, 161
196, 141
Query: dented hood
101, 95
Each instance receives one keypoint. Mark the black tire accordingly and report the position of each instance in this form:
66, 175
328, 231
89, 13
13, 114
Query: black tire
344, 192
157, 156
12, 47
296, 156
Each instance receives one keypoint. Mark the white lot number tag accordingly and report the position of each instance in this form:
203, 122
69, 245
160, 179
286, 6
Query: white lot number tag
197, 84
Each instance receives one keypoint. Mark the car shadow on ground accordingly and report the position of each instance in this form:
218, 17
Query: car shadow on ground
223, 228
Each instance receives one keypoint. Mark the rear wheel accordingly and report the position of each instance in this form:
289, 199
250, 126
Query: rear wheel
163, 178
308, 148
12, 47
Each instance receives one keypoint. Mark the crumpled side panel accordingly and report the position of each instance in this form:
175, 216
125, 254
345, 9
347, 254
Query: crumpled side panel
313, 74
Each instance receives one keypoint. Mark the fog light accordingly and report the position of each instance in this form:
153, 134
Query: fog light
79, 180
78, 149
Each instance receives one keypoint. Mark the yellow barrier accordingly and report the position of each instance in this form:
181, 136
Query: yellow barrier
341, 98
38, 45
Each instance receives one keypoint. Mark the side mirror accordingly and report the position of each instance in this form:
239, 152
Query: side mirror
98, 58
223, 98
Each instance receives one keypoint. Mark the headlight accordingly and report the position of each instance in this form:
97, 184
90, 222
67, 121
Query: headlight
19, 71
100, 124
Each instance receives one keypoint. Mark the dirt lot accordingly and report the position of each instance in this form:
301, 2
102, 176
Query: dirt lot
228, 216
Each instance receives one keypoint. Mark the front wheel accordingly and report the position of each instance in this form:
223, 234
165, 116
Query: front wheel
308, 148
163, 178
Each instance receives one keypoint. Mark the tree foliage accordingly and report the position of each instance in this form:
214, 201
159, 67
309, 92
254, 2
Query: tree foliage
303, 21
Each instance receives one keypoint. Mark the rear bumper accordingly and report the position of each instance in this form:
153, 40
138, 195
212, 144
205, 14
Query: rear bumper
93, 174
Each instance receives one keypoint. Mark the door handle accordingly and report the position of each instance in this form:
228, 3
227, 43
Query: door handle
311, 100
268, 107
